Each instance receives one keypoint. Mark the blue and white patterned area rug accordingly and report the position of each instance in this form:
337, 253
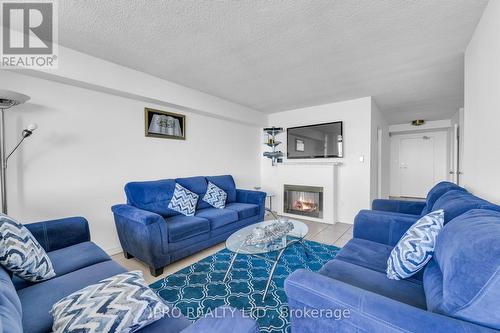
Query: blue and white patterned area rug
198, 289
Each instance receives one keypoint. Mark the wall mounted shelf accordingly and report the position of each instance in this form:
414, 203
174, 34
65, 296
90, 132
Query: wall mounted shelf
271, 133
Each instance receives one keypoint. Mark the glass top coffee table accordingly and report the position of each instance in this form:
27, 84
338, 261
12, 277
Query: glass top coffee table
237, 243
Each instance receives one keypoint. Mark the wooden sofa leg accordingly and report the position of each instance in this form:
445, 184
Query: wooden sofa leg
127, 255
156, 271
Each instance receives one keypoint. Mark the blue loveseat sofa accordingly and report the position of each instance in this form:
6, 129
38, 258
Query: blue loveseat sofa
25, 306
157, 235
458, 290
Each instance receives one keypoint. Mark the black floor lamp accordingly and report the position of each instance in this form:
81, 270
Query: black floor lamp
9, 99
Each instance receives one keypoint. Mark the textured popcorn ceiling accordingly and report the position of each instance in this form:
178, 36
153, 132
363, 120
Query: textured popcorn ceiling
277, 55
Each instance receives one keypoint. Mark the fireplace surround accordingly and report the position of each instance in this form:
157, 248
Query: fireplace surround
303, 200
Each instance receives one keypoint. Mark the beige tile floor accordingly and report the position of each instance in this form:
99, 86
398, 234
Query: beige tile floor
333, 234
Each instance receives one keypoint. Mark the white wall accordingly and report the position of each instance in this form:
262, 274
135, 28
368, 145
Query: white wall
354, 177
82, 70
89, 144
381, 175
482, 107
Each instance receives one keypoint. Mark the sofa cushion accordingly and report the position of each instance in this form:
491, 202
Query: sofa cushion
436, 192
405, 291
433, 286
368, 254
416, 247
244, 210
10, 305
70, 259
183, 201
197, 185
20, 252
37, 300
392, 214
120, 303
226, 183
456, 202
152, 196
182, 227
218, 217
365, 253
468, 255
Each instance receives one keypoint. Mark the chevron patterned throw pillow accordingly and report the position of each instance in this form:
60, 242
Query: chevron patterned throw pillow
215, 196
416, 247
122, 303
183, 201
21, 253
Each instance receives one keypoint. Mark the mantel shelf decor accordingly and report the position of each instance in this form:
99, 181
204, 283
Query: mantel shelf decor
271, 133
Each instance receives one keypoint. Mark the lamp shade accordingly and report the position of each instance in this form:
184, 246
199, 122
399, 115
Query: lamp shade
10, 98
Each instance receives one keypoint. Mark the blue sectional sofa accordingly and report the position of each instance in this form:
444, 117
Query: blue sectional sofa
397, 216
458, 290
157, 235
25, 306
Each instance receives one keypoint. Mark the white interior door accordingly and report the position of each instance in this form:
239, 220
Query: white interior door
416, 165
420, 161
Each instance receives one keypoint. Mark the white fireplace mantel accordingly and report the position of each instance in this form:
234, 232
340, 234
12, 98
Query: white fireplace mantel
309, 163
310, 173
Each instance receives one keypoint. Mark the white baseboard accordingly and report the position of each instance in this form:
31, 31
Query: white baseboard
113, 251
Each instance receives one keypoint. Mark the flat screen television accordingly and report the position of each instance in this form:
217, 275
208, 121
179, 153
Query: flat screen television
315, 141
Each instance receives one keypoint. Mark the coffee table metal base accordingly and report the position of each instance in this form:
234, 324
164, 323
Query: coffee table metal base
274, 262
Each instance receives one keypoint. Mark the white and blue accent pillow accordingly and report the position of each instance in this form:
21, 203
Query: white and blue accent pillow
183, 201
416, 247
215, 196
122, 303
21, 253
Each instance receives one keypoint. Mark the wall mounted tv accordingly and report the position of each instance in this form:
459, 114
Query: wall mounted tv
315, 141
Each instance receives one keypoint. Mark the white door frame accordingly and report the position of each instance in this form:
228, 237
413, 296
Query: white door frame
379, 162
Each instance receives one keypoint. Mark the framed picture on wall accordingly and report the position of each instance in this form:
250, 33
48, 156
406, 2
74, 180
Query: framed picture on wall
167, 125
299, 145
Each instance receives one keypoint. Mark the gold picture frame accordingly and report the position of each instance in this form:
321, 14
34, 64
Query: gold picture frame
163, 124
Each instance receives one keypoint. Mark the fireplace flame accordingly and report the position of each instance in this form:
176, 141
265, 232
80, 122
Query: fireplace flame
305, 205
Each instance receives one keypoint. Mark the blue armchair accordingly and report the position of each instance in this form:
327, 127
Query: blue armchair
25, 306
157, 235
351, 293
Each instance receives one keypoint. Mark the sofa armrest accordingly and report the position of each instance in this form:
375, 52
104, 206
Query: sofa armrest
136, 215
381, 228
223, 319
399, 206
359, 310
57, 234
142, 234
252, 197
